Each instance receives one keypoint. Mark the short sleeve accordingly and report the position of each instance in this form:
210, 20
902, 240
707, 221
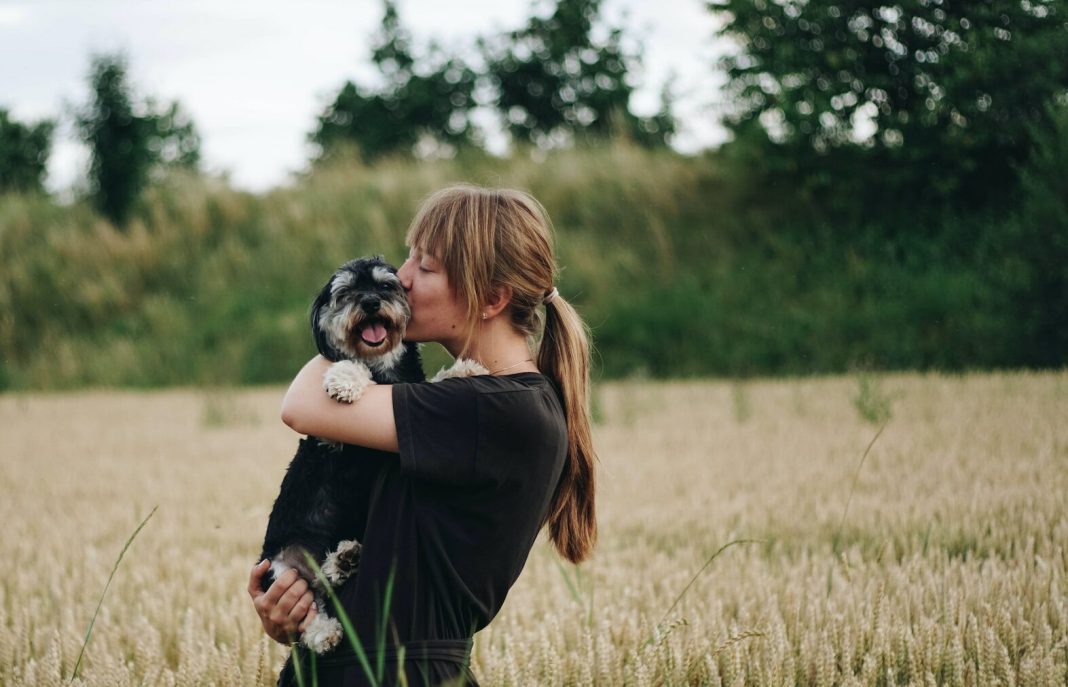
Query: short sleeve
437, 429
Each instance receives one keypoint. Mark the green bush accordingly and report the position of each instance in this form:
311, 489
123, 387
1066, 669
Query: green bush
681, 266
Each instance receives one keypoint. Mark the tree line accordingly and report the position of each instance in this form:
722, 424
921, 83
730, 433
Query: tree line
899, 166
927, 100
552, 82
932, 101
932, 134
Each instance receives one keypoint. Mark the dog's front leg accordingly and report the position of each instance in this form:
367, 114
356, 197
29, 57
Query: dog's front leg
346, 380
324, 632
342, 563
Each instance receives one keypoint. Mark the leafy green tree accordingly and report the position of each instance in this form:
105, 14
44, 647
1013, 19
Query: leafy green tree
948, 92
556, 82
175, 142
426, 99
129, 139
1032, 249
24, 151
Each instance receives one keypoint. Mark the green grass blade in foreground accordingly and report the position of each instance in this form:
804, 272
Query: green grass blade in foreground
574, 587
346, 623
721, 549
402, 675
89, 630
571, 586
298, 666
386, 603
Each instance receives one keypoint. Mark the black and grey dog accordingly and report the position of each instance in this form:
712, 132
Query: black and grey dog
361, 316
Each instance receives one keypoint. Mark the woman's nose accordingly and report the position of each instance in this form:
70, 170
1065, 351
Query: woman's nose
405, 274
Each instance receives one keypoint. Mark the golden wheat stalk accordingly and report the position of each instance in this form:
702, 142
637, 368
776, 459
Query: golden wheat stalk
656, 628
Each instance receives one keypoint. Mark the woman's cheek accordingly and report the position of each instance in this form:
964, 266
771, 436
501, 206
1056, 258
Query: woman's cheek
413, 306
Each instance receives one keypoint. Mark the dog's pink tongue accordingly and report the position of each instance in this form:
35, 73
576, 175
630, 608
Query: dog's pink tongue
373, 333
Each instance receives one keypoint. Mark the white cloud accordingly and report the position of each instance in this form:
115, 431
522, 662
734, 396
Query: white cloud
12, 16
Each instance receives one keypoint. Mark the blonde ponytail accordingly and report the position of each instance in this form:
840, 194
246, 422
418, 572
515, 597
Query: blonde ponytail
564, 357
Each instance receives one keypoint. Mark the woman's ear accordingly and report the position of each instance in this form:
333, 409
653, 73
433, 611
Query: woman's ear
499, 299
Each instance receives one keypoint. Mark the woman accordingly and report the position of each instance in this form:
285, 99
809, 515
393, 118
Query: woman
484, 462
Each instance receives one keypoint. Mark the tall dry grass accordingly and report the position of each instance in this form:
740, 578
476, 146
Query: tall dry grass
949, 569
157, 302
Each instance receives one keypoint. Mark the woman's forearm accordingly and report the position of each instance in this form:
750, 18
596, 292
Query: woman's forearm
303, 393
308, 409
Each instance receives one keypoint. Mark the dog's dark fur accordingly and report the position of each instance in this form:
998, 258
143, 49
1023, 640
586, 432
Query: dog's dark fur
325, 493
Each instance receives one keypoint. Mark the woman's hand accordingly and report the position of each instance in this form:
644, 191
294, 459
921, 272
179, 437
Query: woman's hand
286, 608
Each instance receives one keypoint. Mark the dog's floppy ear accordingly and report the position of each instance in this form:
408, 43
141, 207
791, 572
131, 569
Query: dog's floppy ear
321, 342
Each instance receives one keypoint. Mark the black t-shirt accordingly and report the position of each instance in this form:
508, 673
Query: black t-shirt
452, 521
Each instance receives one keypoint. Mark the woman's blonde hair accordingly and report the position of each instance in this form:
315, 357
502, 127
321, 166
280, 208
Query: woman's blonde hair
486, 238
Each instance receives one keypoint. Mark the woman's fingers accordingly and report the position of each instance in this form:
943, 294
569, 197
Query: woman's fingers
279, 587
285, 603
287, 606
292, 595
312, 612
301, 608
255, 578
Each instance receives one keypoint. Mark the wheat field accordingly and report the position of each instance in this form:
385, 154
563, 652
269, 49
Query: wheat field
939, 558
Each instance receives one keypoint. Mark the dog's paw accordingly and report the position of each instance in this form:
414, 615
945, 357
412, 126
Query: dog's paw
346, 380
322, 634
463, 367
343, 562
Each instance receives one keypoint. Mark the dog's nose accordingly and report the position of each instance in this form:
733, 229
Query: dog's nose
371, 304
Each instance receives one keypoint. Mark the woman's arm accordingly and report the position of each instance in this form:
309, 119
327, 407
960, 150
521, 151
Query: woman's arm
367, 422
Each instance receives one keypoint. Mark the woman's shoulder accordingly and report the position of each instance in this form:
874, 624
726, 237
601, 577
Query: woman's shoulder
520, 381
525, 394
529, 398
472, 421
491, 384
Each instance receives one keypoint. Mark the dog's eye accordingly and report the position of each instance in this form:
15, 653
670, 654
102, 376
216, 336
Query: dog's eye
386, 286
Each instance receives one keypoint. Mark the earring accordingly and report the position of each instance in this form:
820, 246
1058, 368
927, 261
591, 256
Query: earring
483, 315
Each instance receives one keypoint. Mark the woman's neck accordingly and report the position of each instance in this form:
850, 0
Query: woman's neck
498, 347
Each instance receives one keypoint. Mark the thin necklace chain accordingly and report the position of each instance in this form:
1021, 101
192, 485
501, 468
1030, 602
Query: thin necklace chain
505, 369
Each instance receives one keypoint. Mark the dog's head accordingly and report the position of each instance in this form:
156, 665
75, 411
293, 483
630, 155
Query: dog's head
361, 313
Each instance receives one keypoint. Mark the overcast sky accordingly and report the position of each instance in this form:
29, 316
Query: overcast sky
255, 73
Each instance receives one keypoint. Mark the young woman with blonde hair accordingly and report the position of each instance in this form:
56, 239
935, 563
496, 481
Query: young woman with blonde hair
484, 462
